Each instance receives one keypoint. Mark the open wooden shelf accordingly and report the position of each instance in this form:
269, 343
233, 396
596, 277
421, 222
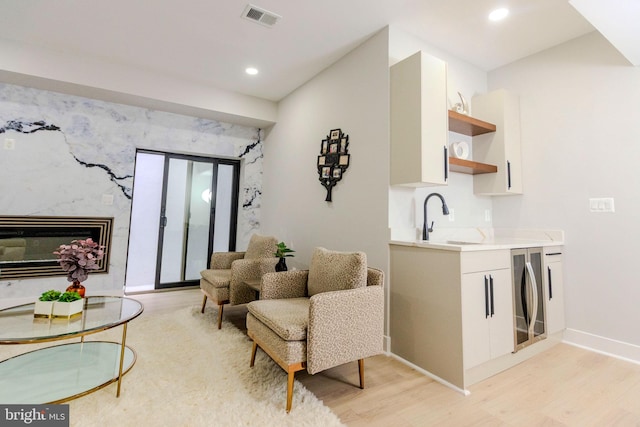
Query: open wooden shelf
466, 125
470, 167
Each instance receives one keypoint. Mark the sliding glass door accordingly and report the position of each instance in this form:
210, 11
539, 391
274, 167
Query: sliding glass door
184, 207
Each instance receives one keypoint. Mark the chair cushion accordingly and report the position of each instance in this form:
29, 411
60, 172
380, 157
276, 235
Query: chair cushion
261, 247
218, 278
219, 295
288, 318
336, 271
288, 352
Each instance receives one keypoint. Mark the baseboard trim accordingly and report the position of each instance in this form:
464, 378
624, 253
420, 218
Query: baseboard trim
430, 375
386, 344
618, 349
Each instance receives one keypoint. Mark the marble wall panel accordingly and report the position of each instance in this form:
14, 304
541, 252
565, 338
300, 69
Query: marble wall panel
70, 151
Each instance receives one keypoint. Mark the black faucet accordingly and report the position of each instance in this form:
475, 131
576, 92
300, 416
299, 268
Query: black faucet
445, 211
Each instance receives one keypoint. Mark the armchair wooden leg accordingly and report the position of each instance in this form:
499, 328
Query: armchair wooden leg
290, 369
361, 370
204, 302
290, 375
220, 307
253, 354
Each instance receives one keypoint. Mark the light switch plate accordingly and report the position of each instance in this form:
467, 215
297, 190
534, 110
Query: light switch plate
602, 204
452, 215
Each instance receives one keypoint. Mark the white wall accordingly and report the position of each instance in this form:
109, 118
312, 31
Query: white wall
580, 116
406, 204
353, 95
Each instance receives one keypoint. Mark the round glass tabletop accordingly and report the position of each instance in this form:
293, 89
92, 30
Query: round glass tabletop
62, 372
19, 326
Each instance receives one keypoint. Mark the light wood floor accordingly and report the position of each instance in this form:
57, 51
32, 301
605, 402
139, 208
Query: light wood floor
565, 386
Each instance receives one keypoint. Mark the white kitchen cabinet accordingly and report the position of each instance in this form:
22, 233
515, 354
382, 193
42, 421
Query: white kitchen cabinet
554, 289
487, 316
419, 122
437, 304
502, 147
441, 317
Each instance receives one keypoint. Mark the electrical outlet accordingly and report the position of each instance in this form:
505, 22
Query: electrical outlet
452, 215
9, 144
107, 199
487, 215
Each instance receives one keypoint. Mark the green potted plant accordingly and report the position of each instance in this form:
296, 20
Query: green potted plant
44, 305
282, 251
68, 305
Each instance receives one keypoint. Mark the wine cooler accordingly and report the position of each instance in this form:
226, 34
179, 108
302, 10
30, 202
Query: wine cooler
528, 297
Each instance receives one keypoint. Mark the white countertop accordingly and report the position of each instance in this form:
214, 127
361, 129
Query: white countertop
483, 240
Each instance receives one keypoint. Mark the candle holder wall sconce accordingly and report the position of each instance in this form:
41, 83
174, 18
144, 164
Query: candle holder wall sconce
333, 160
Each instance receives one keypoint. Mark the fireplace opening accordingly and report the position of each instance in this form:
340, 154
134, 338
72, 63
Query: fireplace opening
27, 243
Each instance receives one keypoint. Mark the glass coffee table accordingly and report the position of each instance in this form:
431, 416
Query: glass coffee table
59, 373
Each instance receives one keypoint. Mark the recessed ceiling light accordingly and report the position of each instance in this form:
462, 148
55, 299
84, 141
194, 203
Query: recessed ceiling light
499, 14
251, 71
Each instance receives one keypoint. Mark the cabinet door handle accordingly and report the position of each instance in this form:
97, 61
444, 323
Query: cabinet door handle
491, 289
486, 297
508, 174
550, 287
446, 163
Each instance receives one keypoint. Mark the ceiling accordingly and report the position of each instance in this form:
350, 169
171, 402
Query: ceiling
208, 43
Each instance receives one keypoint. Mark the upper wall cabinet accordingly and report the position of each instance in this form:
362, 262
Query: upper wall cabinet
500, 148
419, 122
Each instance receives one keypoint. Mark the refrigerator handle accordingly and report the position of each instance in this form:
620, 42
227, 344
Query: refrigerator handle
534, 305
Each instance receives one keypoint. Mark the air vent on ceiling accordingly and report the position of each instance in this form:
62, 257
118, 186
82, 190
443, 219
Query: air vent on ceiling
261, 16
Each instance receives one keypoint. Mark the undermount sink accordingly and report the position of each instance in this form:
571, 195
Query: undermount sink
452, 242
458, 242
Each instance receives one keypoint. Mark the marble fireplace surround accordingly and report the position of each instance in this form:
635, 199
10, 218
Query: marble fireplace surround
74, 156
27, 243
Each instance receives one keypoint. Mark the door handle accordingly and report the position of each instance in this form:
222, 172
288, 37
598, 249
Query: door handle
550, 286
534, 305
486, 297
446, 163
491, 290
508, 174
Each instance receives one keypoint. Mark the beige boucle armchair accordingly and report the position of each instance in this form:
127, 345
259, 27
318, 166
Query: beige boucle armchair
224, 281
319, 318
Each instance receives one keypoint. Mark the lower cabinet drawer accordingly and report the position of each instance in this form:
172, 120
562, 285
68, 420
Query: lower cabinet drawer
471, 262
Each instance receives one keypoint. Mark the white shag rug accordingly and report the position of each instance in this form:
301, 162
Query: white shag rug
189, 373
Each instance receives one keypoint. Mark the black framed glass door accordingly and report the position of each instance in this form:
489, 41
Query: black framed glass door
184, 207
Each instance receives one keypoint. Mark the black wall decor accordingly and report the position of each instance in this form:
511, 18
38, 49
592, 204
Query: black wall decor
333, 160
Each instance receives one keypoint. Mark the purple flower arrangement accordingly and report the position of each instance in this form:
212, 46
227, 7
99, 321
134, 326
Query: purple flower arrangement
78, 258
